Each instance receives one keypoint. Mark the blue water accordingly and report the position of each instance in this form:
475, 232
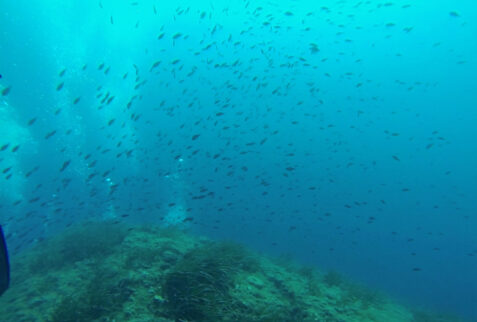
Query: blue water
339, 132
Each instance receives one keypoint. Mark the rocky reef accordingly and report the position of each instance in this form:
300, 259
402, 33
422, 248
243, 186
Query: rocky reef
109, 272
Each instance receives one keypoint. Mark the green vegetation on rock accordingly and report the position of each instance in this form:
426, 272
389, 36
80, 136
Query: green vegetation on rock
108, 272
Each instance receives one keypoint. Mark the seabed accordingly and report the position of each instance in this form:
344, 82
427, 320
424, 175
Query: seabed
109, 272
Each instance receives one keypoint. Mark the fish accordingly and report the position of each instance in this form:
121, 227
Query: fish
6, 91
65, 165
154, 65
31, 121
50, 134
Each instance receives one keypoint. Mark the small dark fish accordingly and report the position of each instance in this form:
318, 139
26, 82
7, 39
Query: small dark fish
50, 134
65, 165
4, 147
76, 101
195, 137
396, 158
62, 73
5, 91
155, 65
32, 121
15, 148
34, 200
29, 173
60, 86
314, 48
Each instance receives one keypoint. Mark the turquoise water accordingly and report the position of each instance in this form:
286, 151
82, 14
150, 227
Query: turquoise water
339, 132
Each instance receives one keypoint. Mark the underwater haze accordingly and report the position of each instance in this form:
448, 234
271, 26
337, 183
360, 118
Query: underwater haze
342, 133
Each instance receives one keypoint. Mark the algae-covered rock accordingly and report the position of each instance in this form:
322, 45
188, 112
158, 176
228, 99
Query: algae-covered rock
108, 272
